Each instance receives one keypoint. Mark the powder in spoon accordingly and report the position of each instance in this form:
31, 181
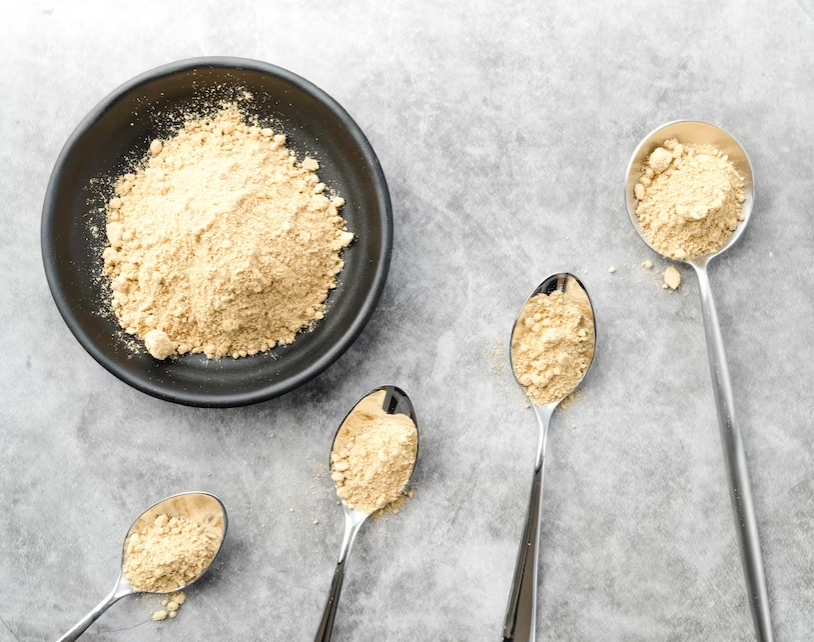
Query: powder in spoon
168, 554
373, 455
689, 199
553, 344
221, 242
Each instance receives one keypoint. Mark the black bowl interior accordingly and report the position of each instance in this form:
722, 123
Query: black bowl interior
117, 133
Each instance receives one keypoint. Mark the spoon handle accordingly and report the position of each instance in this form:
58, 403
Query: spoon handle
326, 625
740, 489
80, 627
521, 611
353, 522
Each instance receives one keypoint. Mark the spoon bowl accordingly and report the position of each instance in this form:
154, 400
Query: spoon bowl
695, 132
572, 289
521, 611
393, 401
203, 508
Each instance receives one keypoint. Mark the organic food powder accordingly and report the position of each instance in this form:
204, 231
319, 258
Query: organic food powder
373, 455
689, 199
553, 344
222, 242
168, 554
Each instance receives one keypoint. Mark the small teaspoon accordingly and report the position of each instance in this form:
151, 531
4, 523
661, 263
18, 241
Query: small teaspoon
203, 508
394, 401
521, 612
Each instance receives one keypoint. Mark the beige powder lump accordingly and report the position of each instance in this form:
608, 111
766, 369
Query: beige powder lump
672, 278
373, 456
553, 344
171, 605
222, 242
168, 554
689, 199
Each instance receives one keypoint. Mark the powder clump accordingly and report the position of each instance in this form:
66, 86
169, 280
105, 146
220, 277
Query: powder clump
171, 605
689, 199
553, 344
221, 242
158, 344
168, 554
373, 455
672, 278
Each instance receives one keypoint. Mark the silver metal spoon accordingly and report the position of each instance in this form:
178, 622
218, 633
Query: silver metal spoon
521, 611
698, 132
203, 508
394, 401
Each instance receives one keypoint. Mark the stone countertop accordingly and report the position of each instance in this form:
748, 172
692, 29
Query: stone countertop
504, 131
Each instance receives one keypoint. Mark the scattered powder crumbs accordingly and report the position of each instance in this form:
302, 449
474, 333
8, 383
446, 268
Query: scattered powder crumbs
168, 554
495, 356
689, 199
221, 242
672, 278
373, 455
553, 344
611, 269
171, 605
647, 264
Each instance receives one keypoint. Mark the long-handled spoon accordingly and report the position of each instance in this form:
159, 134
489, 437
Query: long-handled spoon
522, 608
393, 401
698, 132
203, 508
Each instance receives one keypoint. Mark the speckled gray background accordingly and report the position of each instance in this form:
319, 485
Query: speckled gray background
504, 130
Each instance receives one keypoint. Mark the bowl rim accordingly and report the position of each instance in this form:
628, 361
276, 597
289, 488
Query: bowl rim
207, 400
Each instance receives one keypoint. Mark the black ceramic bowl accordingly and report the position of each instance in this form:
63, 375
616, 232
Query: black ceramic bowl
118, 131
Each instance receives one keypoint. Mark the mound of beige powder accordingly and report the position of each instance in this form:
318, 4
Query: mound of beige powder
222, 242
168, 554
689, 199
553, 344
373, 455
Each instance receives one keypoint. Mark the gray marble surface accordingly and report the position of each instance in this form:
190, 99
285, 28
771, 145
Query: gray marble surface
504, 130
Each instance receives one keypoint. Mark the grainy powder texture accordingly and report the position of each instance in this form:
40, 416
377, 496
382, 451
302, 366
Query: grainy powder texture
553, 344
168, 554
689, 199
222, 242
373, 455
